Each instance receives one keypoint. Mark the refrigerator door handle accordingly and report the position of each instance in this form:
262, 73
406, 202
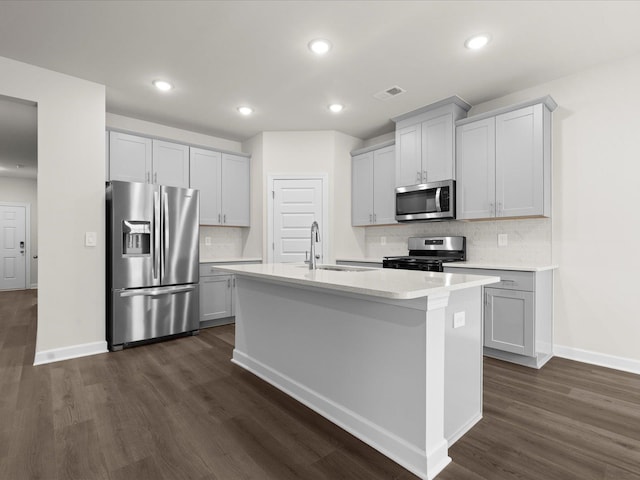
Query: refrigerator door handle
155, 292
156, 234
165, 232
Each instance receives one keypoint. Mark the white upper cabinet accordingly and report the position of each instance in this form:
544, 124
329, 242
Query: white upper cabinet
373, 187
170, 164
224, 184
235, 190
205, 171
139, 159
425, 145
503, 162
129, 158
476, 169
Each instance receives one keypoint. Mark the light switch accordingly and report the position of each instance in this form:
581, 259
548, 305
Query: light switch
90, 239
207, 241
503, 239
458, 319
383, 240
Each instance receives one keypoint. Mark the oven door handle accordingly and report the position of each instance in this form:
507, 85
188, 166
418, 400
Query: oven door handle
438, 207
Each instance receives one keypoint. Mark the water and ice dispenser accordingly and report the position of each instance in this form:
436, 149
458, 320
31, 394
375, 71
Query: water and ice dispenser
136, 238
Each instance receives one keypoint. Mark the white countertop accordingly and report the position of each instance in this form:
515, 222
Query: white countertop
497, 266
479, 265
377, 282
230, 260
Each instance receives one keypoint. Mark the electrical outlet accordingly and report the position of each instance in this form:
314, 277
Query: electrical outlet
90, 239
458, 319
207, 241
503, 239
383, 240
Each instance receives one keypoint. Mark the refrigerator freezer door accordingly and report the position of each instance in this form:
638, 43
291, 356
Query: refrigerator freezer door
146, 313
180, 236
133, 226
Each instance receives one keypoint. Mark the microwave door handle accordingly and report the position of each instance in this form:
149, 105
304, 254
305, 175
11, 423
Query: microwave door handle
438, 207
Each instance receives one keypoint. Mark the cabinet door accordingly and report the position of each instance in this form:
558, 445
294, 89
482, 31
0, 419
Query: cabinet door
475, 169
129, 158
384, 192
508, 321
362, 189
409, 155
216, 300
170, 164
205, 168
519, 163
235, 190
437, 149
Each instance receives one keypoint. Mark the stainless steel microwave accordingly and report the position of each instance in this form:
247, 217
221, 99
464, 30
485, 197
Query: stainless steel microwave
426, 201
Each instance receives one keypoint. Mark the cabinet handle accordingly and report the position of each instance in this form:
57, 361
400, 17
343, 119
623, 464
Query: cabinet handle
370, 218
148, 177
499, 212
224, 218
155, 177
492, 209
424, 176
228, 283
218, 218
418, 178
374, 218
234, 282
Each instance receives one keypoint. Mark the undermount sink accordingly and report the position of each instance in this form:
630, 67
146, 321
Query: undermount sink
338, 268
342, 268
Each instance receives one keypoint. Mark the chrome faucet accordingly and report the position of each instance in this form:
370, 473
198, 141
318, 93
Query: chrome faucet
315, 228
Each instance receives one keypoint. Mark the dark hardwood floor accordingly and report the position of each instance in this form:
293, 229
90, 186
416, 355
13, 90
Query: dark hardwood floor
181, 410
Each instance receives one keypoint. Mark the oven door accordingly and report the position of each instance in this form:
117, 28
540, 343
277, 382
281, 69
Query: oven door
427, 201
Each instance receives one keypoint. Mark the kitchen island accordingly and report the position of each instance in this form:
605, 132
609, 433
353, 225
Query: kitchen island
365, 348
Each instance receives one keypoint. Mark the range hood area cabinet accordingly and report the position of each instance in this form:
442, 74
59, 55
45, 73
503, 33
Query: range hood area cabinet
425, 142
503, 162
224, 184
373, 199
145, 160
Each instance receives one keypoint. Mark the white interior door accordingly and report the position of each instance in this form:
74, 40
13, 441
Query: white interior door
297, 203
13, 250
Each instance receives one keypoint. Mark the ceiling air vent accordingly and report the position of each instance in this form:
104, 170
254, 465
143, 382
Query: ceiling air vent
389, 93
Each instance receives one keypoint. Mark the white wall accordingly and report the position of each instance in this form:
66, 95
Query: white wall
23, 190
307, 153
596, 225
71, 125
142, 127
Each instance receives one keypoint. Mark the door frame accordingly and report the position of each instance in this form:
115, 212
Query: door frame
27, 241
324, 233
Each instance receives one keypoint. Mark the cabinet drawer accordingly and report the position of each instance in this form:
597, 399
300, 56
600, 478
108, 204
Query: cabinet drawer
509, 279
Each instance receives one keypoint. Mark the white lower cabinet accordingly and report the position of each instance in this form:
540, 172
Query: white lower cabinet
517, 315
216, 297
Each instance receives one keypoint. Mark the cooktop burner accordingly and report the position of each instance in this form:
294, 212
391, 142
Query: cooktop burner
428, 253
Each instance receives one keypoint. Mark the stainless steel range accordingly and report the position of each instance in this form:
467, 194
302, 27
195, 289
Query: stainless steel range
428, 253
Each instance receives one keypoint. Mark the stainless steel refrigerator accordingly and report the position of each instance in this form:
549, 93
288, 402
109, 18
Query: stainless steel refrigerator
152, 262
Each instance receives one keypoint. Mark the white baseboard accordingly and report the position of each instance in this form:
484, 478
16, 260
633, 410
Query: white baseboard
595, 358
66, 353
397, 449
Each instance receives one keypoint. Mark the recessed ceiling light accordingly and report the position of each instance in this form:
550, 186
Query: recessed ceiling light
319, 46
245, 110
162, 85
477, 41
336, 107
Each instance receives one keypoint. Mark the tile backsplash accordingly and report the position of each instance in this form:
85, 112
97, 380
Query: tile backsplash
226, 242
529, 240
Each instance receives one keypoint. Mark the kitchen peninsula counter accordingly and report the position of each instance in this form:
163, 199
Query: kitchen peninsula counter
392, 356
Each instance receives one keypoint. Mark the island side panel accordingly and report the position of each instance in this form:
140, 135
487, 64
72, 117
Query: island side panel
463, 364
357, 361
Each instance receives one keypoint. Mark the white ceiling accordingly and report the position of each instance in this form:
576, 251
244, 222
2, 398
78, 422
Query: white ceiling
18, 138
221, 54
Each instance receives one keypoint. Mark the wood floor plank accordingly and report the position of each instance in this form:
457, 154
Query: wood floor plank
182, 410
